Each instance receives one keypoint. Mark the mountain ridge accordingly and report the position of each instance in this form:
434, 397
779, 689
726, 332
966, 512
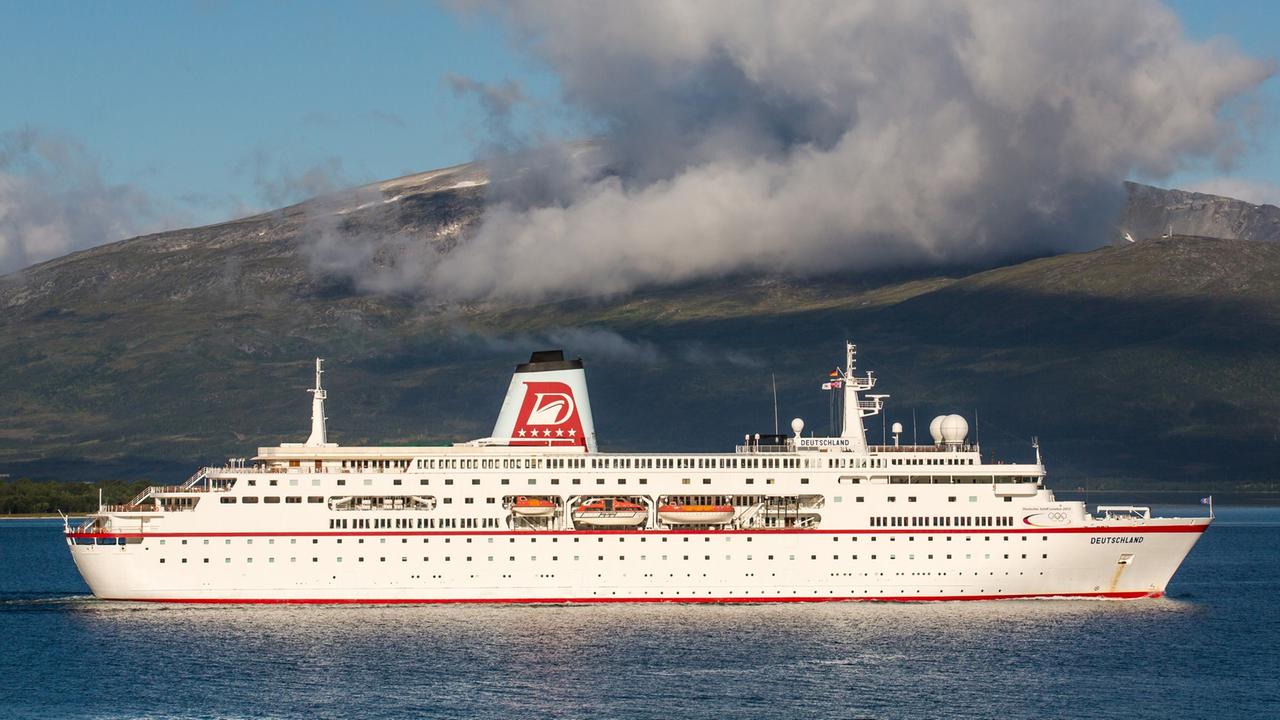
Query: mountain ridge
149, 356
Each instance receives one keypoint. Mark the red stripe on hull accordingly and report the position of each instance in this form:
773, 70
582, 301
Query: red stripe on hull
544, 533
1128, 595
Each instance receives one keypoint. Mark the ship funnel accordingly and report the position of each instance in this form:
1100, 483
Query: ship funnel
547, 404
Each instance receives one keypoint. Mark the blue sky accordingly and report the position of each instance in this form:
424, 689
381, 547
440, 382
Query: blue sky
206, 106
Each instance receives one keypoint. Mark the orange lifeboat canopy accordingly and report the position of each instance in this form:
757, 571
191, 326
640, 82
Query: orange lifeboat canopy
674, 514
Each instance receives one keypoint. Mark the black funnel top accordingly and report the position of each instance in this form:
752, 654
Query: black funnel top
542, 360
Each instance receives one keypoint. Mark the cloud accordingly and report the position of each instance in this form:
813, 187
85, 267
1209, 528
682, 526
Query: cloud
1258, 192
498, 103
388, 118
798, 138
278, 183
605, 345
597, 344
54, 200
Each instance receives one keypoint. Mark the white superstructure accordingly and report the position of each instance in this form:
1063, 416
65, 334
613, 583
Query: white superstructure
535, 514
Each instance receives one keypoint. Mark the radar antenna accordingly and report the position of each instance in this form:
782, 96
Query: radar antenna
318, 434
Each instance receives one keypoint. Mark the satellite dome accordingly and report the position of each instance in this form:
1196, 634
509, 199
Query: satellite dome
896, 429
954, 429
935, 428
797, 426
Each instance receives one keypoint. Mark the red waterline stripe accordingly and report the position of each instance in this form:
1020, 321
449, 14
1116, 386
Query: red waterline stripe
1196, 528
1127, 595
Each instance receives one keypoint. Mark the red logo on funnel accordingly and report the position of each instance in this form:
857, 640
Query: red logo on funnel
548, 416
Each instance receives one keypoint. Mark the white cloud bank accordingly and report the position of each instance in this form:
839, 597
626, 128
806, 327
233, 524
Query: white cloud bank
54, 200
1258, 192
796, 137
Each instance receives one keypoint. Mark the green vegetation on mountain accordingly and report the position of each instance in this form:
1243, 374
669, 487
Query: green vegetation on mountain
1153, 361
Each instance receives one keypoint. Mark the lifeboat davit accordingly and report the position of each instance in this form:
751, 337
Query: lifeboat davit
610, 512
695, 514
533, 507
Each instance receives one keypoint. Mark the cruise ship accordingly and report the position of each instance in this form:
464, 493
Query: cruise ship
536, 514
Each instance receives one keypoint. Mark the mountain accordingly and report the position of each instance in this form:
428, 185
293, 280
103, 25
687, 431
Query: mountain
1154, 361
1153, 212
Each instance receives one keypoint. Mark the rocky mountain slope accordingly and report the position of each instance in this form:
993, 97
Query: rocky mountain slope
1153, 212
1155, 360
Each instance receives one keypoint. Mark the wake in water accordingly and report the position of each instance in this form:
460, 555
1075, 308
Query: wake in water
39, 598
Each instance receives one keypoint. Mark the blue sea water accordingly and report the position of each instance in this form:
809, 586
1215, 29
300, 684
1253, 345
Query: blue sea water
1209, 649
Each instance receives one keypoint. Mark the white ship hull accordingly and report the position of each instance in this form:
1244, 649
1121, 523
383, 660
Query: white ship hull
404, 568
238, 553
812, 519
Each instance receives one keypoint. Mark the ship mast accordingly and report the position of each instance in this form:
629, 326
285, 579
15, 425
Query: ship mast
318, 395
855, 409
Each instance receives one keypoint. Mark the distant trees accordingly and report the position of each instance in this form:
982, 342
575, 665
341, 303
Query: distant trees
26, 496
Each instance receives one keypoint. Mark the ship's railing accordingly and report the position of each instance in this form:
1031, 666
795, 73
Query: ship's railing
262, 469
188, 486
147, 507
753, 448
1124, 512
907, 448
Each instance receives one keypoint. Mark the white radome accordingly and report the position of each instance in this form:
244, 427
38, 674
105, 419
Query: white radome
935, 428
954, 429
797, 426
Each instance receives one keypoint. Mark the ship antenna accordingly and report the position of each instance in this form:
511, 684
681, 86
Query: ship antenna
774, 378
318, 433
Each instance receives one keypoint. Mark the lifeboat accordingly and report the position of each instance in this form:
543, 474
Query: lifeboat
533, 507
695, 514
610, 512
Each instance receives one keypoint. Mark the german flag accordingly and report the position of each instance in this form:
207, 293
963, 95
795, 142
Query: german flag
835, 373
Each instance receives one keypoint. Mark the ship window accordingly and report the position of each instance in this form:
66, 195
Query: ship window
448, 501
858, 499
555, 481
534, 481
911, 498
341, 481
273, 499
315, 499
448, 481
622, 481
250, 500
253, 482
228, 501
804, 481
684, 481
505, 481
273, 483
706, 481
475, 481
397, 481
470, 500
751, 481
293, 499
424, 481
892, 498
